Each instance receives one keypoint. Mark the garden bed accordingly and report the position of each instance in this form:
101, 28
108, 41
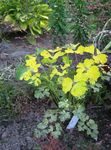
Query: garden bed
17, 133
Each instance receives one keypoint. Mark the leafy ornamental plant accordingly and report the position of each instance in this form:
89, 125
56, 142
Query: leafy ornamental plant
29, 15
68, 83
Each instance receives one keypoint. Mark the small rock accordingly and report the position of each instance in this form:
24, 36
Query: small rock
3, 56
30, 142
4, 135
29, 139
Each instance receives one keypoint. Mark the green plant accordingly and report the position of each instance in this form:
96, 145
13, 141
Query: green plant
26, 15
85, 123
68, 83
41, 92
49, 125
57, 22
79, 21
7, 93
95, 9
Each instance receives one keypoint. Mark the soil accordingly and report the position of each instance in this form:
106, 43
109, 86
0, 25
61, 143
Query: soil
18, 47
18, 133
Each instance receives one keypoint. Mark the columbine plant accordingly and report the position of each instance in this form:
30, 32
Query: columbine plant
68, 83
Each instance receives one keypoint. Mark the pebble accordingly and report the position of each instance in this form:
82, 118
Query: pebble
4, 135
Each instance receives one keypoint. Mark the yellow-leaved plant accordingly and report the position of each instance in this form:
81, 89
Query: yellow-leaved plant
68, 73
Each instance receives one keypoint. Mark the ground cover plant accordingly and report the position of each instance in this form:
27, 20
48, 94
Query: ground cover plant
67, 83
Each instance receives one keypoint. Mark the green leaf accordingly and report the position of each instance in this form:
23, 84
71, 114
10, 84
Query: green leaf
37, 30
53, 118
20, 71
41, 92
56, 134
64, 116
107, 47
43, 24
48, 61
41, 126
23, 26
66, 60
64, 104
9, 19
91, 121
51, 128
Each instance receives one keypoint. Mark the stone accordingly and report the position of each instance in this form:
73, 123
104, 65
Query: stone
4, 135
